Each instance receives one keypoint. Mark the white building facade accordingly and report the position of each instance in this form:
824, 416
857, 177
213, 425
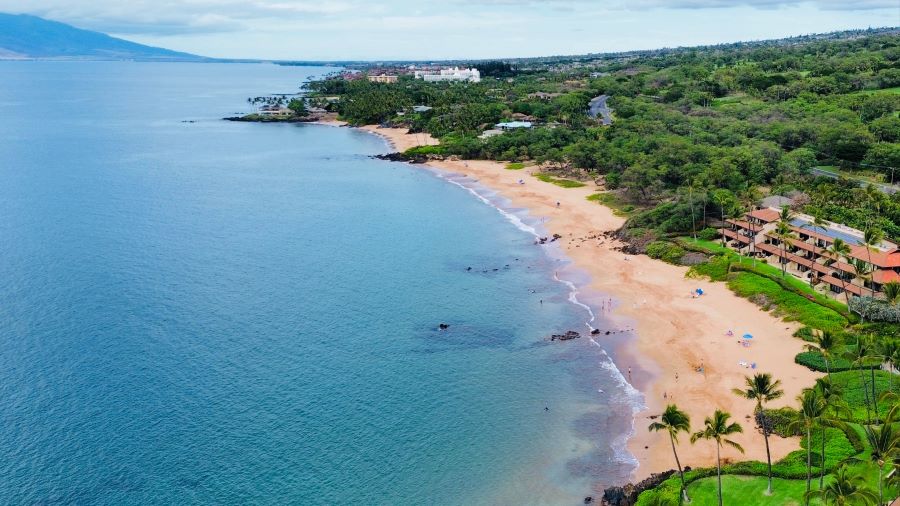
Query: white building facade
451, 74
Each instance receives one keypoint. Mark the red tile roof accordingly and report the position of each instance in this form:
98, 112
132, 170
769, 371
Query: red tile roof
766, 215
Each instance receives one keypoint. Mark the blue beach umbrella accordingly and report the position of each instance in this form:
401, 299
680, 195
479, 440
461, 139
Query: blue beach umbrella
748, 336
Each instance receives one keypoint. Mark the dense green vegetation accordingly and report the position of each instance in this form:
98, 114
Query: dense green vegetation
694, 129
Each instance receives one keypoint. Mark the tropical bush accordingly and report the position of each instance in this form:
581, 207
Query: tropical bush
665, 251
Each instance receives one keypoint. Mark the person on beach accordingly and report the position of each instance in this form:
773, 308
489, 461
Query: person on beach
557, 203
629, 375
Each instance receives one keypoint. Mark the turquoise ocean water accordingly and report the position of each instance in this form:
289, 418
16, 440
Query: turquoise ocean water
197, 311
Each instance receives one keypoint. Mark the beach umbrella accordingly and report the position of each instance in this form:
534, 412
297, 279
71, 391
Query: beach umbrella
748, 336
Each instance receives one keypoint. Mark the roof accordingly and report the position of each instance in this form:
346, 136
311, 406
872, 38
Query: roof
734, 235
514, 124
776, 201
767, 215
421, 108
854, 289
882, 277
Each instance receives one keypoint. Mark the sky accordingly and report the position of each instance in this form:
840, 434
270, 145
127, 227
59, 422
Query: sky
450, 29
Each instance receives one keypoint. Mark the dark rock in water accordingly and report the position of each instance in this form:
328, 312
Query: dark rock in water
588, 500
444, 326
556, 237
595, 332
627, 495
565, 337
542, 240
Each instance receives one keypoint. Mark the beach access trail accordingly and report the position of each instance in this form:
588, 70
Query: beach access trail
676, 332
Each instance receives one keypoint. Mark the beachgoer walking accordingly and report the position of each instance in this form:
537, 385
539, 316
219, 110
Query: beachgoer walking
629, 375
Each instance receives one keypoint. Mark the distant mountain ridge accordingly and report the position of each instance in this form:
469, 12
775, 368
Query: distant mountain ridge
23, 36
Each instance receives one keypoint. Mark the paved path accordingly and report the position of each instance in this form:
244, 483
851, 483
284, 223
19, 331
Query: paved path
598, 107
886, 188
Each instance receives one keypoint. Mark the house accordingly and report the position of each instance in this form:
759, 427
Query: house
487, 134
383, 78
513, 125
805, 253
449, 74
540, 95
275, 110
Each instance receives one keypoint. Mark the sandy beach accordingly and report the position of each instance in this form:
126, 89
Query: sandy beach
676, 332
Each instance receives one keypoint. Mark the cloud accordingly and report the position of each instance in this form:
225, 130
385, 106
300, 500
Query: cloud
638, 5
168, 17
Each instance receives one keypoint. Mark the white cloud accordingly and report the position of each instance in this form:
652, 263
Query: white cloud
434, 29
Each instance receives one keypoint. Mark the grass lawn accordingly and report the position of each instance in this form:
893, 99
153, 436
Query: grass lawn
760, 281
565, 183
611, 200
788, 305
515, 166
749, 490
851, 381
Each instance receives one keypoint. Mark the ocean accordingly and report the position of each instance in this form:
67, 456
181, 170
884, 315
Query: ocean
195, 311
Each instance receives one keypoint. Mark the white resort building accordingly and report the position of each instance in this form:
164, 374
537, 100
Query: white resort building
451, 74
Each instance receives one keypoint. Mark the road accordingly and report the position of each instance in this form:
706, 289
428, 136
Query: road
886, 188
598, 107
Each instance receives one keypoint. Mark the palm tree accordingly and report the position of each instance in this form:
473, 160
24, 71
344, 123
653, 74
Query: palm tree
812, 406
885, 444
891, 291
826, 343
749, 198
858, 356
716, 428
833, 395
722, 198
838, 249
762, 389
783, 233
872, 237
673, 421
888, 350
844, 489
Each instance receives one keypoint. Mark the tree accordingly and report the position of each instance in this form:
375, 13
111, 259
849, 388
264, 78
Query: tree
833, 396
299, 107
826, 344
818, 222
725, 200
858, 355
891, 291
844, 489
872, 237
762, 389
885, 444
673, 421
716, 428
812, 407
783, 233
837, 250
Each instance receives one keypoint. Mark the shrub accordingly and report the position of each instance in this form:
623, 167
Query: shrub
815, 361
875, 310
425, 151
707, 234
781, 418
665, 251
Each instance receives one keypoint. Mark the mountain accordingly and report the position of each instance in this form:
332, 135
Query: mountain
30, 37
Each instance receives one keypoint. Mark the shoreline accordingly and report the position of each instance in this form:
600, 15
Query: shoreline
673, 332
